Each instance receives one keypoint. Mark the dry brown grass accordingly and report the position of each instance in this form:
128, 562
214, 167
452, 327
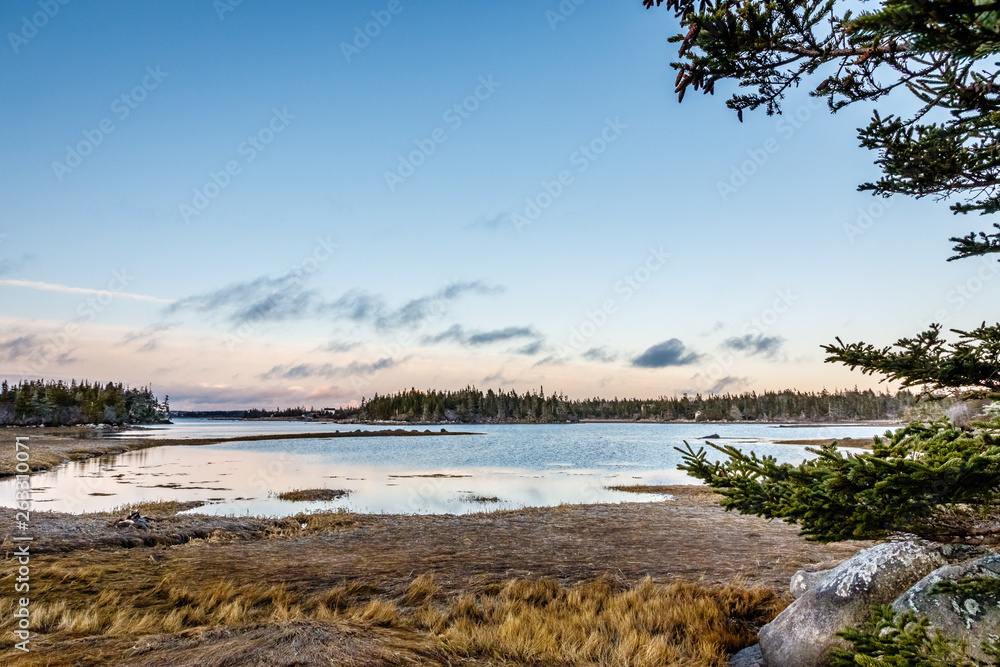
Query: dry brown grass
642, 488
421, 591
251, 582
604, 622
536, 621
312, 494
156, 508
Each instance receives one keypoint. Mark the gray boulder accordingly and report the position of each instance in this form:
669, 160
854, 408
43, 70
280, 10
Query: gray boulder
748, 657
970, 619
806, 580
803, 634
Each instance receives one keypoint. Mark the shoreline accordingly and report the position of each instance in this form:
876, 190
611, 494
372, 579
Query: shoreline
57, 445
365, 562
388, 422
108, 593
51, 450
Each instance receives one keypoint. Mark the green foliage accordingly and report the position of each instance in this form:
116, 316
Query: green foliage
937, 480
939, 52
903, 640
976, 244
37, 402
474, 405
969, 587
931, 480
257, 413
970, 365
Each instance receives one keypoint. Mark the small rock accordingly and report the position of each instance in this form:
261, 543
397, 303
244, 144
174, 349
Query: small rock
714, 436
134, 519
748, 657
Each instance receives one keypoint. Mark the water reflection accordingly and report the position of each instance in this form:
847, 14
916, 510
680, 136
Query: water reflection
509, 466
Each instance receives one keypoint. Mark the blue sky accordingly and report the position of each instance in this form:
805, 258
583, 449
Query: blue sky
210, 197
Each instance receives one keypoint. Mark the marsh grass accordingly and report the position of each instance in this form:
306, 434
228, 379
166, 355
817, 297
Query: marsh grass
312, 494
642, 488
156, 508
537, 621
607, 622
475, 498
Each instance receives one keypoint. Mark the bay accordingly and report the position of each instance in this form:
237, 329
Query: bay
504, 466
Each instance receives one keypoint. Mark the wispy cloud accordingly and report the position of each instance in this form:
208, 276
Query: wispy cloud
338, 346
33, 348
728, 383
496, 378
13, 349
530, 349
9, 265
718, 326
457, 334
765, 346
302, 371
668, 353
551, 360
148, 336
418, 311
491, 222
268, 299
262, 299
601, 354
66, 289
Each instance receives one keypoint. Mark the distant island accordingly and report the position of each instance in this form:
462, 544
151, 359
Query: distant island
55, 403
474, 406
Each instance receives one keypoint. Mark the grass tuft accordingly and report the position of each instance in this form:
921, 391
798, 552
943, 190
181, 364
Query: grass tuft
299, 495
537, 621
382, 613
421, 591
602, 622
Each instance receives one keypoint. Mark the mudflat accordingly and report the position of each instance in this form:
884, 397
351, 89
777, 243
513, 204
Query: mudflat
147, 580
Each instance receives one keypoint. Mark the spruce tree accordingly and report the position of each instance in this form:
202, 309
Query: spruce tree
936, 480
940, 54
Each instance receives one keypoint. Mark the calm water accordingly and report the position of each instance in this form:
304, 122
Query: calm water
512, 465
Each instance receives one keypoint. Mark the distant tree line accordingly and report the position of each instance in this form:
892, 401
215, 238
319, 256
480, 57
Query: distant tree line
208, 414
472, 405
258, 413
55, 403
